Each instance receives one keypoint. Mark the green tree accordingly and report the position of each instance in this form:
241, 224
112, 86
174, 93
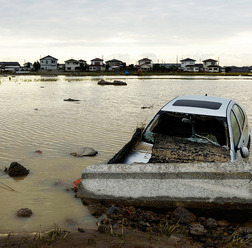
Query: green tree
36, 66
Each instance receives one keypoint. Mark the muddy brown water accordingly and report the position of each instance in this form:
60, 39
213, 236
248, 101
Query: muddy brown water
34, 116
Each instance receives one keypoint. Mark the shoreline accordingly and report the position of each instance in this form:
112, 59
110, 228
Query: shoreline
128, 226
121, 73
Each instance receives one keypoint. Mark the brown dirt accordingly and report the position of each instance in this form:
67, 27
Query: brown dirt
92, 238
168, 149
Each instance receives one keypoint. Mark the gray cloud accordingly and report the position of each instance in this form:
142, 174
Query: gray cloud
112, 24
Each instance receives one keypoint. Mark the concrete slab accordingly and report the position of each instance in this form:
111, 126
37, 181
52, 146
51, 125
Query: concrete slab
202, 185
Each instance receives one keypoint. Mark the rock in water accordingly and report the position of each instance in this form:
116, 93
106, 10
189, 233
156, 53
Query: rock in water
86, 151
17, 170
24, 212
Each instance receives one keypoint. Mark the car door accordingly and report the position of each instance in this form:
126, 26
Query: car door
239, 126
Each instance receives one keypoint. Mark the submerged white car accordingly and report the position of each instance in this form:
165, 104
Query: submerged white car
192, 129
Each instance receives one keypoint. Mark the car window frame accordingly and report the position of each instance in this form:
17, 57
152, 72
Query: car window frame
236, 146
242, 114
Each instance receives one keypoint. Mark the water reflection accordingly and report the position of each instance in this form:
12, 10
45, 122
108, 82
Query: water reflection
104, 119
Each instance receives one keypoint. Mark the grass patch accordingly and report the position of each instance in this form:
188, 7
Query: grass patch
235, 240
168, 230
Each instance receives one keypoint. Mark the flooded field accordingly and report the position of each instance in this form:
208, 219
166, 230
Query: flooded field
34, 116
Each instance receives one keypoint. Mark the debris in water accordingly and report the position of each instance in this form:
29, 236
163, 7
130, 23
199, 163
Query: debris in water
71, 100
77, 182
145, 107
86, 151
6, 186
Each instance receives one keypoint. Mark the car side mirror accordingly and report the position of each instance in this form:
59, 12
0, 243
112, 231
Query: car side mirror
244, 152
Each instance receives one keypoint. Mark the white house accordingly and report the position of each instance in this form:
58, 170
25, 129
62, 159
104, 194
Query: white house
187, 64
74, 65
48, 63
97, 65
71, 65
211, 65
145, 64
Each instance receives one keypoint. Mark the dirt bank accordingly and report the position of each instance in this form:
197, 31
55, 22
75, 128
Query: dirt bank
127, 226
91, 238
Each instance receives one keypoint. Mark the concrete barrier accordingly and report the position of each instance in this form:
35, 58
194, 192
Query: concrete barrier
203, 185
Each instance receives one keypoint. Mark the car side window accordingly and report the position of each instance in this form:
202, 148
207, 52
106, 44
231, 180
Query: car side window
235, 129
240, 115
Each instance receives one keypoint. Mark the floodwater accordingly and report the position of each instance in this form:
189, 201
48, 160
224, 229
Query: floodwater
33, 116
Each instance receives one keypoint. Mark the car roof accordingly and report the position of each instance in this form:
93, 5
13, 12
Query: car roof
199, 105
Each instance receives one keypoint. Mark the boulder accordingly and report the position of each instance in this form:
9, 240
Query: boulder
17, 170
24, 212
115, 82
183, 215
197, 230
211, 223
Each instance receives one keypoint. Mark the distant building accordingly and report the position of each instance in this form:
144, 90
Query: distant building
28, 66
48, 63
189, 63
97, 65
75, 65
190, 66
211, 65
115, 64
168, 66
145, 64
238, 69
9, 66
61, 67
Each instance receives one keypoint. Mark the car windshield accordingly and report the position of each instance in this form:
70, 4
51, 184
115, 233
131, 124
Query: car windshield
197, 128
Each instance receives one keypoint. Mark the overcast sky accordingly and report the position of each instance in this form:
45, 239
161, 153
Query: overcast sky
162, 30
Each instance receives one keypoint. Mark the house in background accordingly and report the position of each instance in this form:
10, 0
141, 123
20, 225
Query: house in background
145, 64
97, 65
188, 65
27, 66
9, 66
48, 63
211, 65
115, 64
75, 65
